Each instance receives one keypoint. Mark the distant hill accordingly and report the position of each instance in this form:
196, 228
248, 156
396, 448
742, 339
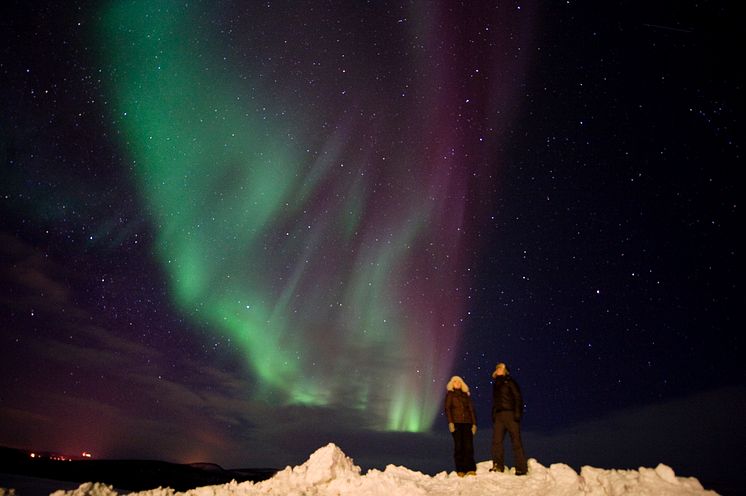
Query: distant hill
133, 475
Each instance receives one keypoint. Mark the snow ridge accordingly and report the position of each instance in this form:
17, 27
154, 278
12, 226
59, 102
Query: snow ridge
329, 472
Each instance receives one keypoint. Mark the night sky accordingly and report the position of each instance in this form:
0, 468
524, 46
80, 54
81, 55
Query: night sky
236, 231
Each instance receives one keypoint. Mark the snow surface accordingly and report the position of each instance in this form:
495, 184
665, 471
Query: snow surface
328, 471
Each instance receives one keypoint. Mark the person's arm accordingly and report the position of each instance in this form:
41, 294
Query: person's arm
449, 407
473, 413
518, 407
449, 415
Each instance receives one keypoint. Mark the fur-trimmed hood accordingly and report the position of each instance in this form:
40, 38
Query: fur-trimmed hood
464, 388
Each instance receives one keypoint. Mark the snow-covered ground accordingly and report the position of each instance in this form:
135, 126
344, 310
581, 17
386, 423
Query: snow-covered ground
328, 471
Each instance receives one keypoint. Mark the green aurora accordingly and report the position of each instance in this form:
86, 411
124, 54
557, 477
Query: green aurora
327, 292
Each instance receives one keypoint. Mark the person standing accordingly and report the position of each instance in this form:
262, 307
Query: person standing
462, 422
507, 409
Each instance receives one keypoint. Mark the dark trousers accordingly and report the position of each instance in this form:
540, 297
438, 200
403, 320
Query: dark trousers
504, 421
463, 448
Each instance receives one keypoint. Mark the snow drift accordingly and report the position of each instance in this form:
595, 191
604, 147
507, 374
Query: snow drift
328, 471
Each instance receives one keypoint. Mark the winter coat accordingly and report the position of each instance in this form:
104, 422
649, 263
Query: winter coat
506, 396
459, 408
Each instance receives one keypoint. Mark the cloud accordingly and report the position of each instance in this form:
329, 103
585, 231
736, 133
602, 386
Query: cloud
30, 278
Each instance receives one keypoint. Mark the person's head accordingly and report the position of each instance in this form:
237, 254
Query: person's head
500, 370
457, 383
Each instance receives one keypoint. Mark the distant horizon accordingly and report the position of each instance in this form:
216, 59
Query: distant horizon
602, 443
47, 454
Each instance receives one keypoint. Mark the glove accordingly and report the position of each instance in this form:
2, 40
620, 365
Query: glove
473, 429
451, 427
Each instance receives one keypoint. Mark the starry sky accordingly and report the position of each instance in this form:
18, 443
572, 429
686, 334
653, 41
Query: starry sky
235, 231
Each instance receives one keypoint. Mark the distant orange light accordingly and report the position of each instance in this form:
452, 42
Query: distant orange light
85, 454
33, 455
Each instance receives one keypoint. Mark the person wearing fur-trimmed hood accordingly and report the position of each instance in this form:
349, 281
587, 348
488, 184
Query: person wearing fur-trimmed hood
462, 422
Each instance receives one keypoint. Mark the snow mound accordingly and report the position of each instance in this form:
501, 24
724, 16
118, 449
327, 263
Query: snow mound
329, 472
325, 465
660, 480
88, 489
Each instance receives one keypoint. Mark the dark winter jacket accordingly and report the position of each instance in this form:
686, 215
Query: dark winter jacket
506, 396
459, 408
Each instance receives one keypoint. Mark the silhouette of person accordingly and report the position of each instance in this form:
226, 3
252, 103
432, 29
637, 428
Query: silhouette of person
507, 409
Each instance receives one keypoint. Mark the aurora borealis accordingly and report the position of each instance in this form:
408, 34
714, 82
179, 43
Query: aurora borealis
233, 232
330, 252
